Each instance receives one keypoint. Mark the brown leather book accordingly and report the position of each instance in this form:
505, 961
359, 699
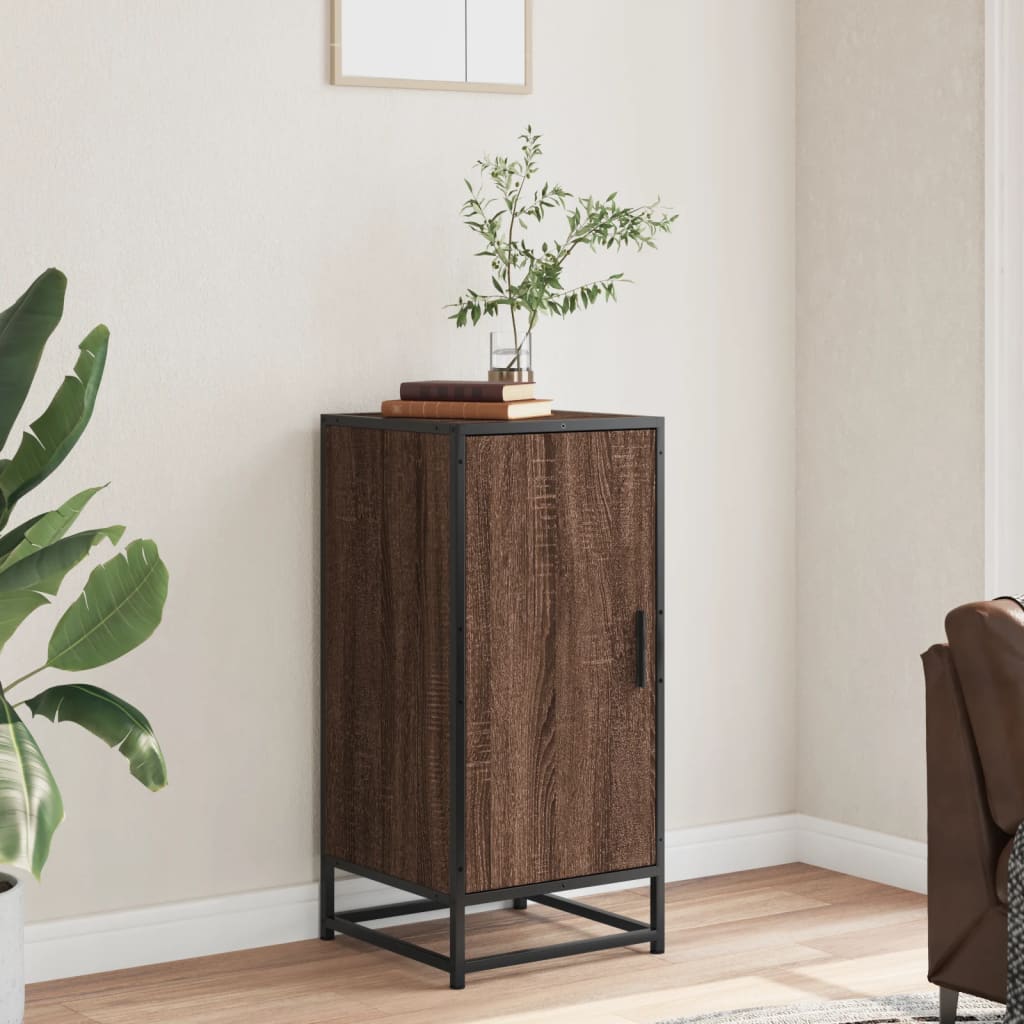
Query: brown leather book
464, 391
528, 409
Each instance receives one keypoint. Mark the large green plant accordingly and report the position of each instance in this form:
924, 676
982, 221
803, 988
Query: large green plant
527, 277
119, 607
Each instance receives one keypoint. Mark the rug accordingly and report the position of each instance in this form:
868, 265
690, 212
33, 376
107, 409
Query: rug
884, 1010
1015, 932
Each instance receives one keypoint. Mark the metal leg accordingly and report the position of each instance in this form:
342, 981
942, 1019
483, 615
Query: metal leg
948, 998
658, 913
326, 897
628, 931
457, 944
519, 903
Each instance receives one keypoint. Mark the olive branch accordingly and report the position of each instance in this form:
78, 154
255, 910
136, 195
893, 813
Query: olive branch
528, 279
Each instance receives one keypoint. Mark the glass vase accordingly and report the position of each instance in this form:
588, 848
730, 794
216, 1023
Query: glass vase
511, 362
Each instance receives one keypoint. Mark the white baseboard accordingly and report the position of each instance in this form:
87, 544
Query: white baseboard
731, 846
177, 931
861, 852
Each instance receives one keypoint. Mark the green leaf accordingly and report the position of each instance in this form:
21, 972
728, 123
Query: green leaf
30, 804
24, 330
45, 446
49, 527
121, 605
15, 608
45, 569
13, 537
113, 720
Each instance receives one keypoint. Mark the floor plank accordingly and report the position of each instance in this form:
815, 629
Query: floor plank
750, 938
55, 1013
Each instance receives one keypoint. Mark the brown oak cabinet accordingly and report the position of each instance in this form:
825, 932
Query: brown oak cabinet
492, 624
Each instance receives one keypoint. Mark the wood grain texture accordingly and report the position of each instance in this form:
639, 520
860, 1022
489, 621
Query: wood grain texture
385, 651
55, 1014
560, 554
811, 935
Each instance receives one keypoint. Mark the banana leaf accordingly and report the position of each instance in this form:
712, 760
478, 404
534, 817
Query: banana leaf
120, 607
14, 536
44, 570
24, 330
46, 444
15, 608
113, 720
45, 529
30, 803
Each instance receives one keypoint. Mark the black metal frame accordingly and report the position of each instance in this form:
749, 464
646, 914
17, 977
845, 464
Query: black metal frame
456, 964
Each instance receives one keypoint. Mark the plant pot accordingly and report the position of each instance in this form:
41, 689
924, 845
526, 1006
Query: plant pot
511, 359
12, 950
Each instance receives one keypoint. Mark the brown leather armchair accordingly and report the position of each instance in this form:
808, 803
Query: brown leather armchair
975, 733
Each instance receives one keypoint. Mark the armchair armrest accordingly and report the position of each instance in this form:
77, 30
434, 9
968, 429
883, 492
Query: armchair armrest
964, 842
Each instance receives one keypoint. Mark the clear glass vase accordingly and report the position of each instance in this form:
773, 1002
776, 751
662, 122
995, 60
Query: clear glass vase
511, 363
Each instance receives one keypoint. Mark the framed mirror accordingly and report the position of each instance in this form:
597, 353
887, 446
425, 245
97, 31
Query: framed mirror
481, 45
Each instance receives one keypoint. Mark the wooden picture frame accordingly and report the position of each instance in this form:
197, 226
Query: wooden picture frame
342, 76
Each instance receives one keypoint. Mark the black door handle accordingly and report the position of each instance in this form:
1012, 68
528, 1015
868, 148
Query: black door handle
641, 649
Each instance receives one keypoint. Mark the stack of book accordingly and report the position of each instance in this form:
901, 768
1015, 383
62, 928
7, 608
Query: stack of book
466, 400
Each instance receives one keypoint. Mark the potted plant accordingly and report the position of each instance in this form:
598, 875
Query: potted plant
527, 278
12, 983
119, 607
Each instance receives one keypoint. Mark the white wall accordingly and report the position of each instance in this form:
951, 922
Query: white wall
890, 290
266, 247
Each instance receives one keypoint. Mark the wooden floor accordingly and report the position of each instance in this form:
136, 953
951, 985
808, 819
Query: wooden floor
772, 936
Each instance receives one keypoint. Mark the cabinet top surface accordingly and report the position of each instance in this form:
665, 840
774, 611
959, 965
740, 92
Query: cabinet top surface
559, 420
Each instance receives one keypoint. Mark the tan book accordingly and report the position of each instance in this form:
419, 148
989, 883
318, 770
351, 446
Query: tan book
525, 410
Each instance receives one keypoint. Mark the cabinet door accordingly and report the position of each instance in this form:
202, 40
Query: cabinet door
560, 739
